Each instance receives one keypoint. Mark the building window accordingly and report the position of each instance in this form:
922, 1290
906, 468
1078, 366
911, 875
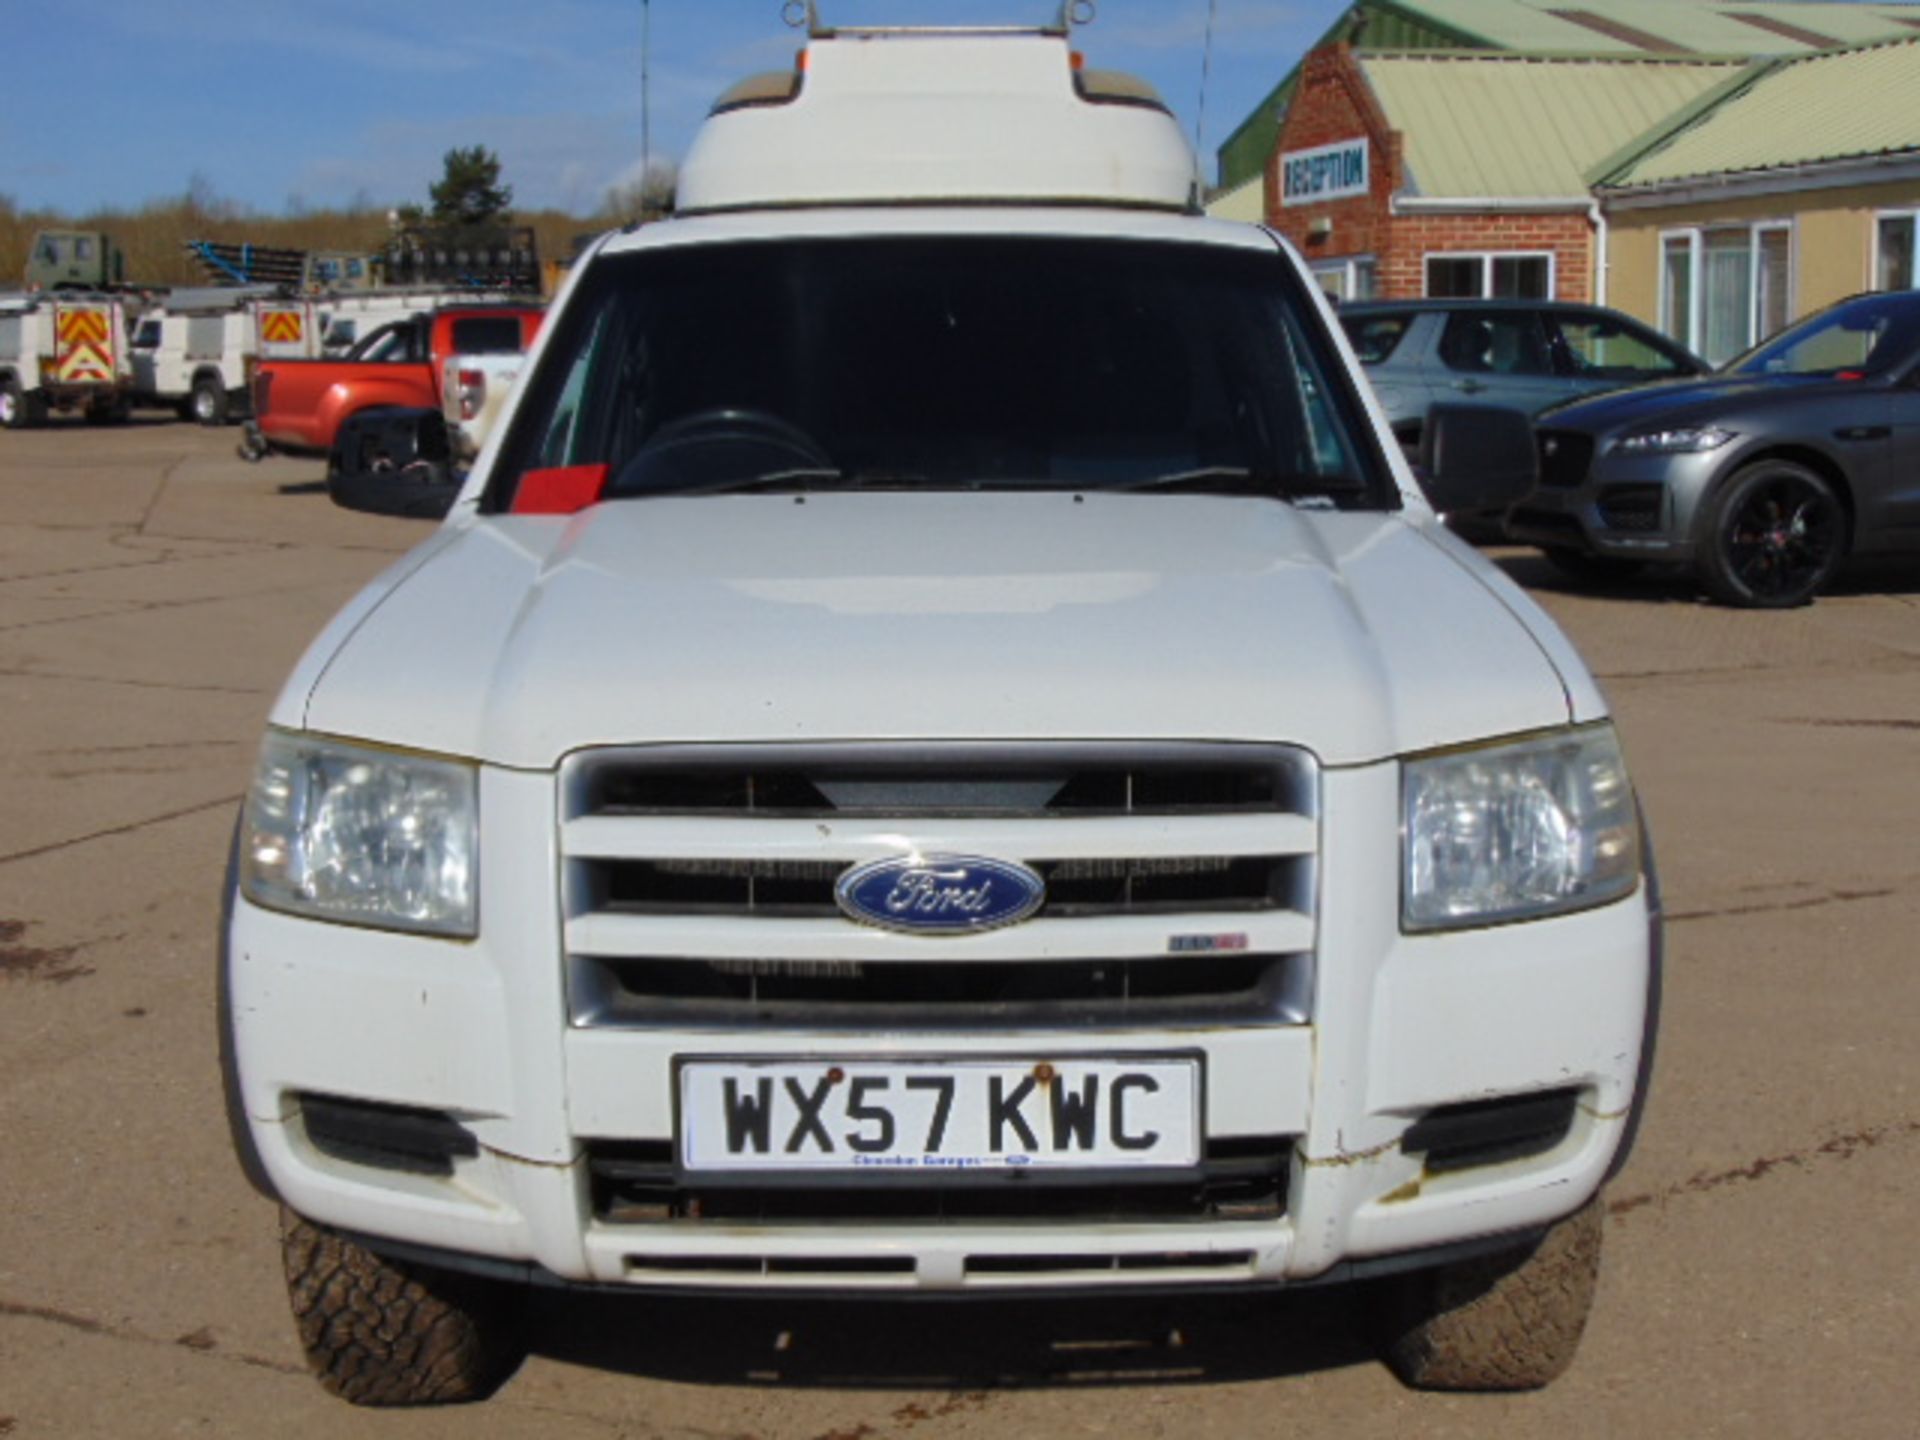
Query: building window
1354, 278
1725, 289
1896, 264
1526, 276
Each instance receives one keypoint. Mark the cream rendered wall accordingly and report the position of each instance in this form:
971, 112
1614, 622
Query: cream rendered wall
1832, 242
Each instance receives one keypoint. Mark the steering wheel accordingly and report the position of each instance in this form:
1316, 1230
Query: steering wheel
739, 425
718, 445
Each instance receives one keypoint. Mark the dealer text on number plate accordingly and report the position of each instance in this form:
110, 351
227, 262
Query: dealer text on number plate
903, 1115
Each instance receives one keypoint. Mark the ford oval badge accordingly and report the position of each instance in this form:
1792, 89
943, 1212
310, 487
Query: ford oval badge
940, 894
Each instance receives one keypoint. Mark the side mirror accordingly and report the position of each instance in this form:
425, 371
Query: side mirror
1475, 458
394, 462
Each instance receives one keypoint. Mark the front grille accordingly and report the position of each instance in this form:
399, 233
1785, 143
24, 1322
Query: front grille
1565, 456
699, 884
1240, 1178
1638, 508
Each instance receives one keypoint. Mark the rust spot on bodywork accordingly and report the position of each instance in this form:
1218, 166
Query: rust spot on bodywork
1349, 1157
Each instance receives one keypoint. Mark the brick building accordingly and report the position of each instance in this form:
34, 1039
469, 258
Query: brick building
1462, 173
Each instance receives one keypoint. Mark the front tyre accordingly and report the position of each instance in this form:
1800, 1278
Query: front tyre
383, 1332
208, 401
1507, 1321
1771, 537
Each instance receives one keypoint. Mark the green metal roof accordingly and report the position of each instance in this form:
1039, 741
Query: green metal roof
1700, 27
1479, 124
1841, 105
1704, 27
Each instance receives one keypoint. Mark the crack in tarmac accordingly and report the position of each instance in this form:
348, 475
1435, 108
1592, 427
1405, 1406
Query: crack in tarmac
150, 607
127, 829
1835, 1148
146, 747
159, 491
199, 1342
1855, 724
16, 674
1775, 907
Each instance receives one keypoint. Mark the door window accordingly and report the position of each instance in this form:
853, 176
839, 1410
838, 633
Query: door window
1599, 347
1375, 337
1495, 343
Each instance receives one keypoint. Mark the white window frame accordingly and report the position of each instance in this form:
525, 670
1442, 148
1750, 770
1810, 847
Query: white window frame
1912, 217
1486, 259
1347, 270
1696, 238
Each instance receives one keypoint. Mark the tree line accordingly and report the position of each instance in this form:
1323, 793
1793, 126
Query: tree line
154, 235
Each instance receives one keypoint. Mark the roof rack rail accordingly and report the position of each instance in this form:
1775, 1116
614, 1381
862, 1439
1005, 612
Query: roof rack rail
805, 14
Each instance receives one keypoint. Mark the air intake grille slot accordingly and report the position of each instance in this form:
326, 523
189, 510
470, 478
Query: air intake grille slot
830, 994
1633, 507
919, 782
1241, 1178
1074, 887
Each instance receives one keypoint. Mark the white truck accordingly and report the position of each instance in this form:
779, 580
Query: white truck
197, 351
941, 749
63, 350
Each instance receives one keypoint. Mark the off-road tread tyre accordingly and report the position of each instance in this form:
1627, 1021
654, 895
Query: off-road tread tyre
1590, 569
1507, 1321
381, 1332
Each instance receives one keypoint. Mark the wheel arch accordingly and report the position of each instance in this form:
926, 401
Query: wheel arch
208, 372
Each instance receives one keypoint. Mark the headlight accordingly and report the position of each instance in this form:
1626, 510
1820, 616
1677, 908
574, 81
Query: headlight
1688, 440
368, 837
1517, 831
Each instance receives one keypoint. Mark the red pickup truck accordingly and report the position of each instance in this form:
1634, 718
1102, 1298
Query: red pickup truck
299, 405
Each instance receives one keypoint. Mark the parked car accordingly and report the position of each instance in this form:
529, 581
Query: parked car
1762, 478
299, 405
1513, 354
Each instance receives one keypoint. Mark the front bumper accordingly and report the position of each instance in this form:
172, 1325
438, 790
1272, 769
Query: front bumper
1620, 507
481, 1031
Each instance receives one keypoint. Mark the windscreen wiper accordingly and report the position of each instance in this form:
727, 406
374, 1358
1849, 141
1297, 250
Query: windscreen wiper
1239, 480
1223, 479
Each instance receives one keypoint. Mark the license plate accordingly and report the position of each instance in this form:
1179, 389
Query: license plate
917, 1115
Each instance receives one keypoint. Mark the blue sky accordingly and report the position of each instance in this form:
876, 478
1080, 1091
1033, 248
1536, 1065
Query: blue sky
322, 102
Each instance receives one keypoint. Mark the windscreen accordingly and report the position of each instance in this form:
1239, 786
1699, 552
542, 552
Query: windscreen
944, 363
1870, 334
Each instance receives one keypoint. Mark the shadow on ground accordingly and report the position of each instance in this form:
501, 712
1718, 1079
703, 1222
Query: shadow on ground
967, 1344
1673, 584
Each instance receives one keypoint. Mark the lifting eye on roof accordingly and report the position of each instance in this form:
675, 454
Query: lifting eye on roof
805, 15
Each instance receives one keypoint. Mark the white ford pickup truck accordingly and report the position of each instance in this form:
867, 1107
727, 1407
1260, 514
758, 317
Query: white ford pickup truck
941, 749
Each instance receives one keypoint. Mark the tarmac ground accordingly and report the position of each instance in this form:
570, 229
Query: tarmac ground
1762, 1251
